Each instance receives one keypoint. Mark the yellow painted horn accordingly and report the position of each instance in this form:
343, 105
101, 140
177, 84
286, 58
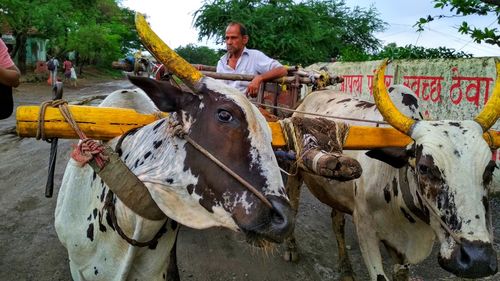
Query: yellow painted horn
172, 61
491, 111
384, 103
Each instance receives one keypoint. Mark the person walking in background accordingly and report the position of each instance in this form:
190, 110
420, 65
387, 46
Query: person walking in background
73, 76
67, 65
9, 77
52, 66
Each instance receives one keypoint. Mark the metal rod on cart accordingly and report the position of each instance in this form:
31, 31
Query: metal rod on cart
246, 77
212, 68
293, 70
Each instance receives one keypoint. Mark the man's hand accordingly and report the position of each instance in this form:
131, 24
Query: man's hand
10, 76
253, 87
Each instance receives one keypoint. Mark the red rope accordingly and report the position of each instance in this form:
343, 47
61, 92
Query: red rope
87, 149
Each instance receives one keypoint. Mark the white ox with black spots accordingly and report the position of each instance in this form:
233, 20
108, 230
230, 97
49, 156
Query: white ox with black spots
406, 197
187, 186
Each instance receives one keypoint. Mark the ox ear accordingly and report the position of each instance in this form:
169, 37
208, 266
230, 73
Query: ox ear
165, 96
394, 156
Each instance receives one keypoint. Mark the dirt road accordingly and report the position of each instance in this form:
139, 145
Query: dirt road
30, 250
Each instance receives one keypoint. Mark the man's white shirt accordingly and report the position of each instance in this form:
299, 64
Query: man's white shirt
251, 62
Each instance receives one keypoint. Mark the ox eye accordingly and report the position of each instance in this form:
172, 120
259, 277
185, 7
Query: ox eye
224, 116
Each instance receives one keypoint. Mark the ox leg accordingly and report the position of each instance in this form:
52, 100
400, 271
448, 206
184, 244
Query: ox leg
293, 191
400, 270
172, 269
344, 264
369, 244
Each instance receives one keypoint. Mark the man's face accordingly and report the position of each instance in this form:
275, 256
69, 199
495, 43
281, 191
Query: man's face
234, 41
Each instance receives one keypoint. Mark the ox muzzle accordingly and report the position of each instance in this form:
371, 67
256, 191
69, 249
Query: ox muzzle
278, 224
471, 259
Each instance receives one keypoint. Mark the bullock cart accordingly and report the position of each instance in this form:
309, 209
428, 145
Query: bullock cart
83, 116
383, 137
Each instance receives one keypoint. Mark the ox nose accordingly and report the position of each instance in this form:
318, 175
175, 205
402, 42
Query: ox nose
471, 260
282, 219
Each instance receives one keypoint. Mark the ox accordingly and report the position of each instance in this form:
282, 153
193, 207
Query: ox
406, 197
186, 186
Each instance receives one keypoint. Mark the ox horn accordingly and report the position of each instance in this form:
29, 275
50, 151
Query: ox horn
491, 111
172, 61
384, 103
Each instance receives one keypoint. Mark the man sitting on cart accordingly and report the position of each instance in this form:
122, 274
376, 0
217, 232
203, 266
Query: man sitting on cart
241, 60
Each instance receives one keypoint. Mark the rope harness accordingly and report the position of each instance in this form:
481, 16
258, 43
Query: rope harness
325, 136
292, 144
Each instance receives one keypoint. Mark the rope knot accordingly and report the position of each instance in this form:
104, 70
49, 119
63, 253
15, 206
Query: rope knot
57, 103
176, 127
87, 150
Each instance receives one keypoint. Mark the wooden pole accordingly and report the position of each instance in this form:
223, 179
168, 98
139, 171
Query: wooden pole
105, 123
247, 77
102, 123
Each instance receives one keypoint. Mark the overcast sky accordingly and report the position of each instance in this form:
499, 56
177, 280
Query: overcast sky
174, 24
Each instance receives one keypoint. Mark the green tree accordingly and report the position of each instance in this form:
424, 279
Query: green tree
305, 32
199, 54
97, 30
392, 51
24, 20
466, 8
107, 33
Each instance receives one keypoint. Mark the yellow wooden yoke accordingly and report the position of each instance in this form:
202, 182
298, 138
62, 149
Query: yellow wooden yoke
105, 123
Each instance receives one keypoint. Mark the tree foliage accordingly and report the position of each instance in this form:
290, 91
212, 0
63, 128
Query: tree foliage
304, 32
98, 31
488, 34
199, 54
392, 51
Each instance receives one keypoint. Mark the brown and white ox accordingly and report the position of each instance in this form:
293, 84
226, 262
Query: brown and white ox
406, 197
187, 186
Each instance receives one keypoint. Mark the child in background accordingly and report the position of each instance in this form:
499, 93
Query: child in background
73, 76
67, 65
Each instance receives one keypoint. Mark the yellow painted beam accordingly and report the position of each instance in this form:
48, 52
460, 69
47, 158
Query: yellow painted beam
362, 137
278, 137
105, 123
102, 123
492, 138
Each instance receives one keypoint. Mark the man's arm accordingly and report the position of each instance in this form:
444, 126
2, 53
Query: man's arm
253, 87
10, 76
